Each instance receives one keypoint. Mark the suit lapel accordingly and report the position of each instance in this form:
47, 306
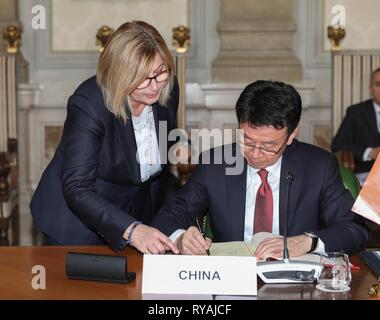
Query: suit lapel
290, 164
370, 116
236, 191
127, 139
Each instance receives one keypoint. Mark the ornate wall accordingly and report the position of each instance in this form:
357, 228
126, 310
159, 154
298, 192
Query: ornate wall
59, 62
64, 55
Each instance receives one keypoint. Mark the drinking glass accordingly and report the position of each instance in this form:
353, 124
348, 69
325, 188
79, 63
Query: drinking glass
336, 273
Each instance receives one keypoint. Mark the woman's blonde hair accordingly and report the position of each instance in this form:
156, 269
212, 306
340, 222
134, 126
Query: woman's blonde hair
126, 62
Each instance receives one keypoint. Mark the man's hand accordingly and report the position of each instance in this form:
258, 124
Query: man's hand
274, 247
150, 240
192, 242
374, 153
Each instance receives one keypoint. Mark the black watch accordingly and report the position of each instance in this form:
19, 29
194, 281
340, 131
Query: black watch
314, 240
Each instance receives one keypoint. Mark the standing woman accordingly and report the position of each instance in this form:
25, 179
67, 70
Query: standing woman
106, 180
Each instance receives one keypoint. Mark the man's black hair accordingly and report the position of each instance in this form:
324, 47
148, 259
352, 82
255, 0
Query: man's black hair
269, 103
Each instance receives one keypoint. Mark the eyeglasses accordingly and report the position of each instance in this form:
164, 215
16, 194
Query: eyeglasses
251, 147
161, 77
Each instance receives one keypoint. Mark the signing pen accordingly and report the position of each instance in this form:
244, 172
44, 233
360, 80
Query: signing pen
201, 232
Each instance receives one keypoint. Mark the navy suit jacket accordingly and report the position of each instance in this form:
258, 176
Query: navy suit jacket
318, 201
357, 132
92, 191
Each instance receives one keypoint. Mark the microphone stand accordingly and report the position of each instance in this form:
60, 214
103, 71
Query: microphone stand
285, 270
289, 179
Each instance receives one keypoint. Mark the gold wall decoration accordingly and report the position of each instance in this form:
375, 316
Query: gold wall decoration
12, 38
181, 37
335, 34
103, 35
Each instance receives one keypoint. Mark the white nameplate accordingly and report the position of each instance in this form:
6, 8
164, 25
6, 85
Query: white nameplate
181, 274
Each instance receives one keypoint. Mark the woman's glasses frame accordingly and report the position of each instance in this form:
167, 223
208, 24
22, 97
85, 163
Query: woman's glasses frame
159, 78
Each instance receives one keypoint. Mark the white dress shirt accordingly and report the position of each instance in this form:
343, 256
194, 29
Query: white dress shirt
377, 112
148, 154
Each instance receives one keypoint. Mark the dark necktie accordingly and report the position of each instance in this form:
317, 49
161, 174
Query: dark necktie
263, 219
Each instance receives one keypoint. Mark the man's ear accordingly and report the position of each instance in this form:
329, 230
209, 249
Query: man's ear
293, 135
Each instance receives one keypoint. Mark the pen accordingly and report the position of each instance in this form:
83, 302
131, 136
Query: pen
201, 232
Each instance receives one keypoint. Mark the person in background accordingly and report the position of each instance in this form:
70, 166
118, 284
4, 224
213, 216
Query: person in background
275, 163
106, 180
360, 131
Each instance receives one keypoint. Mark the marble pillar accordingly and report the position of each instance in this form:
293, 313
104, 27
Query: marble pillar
256, 42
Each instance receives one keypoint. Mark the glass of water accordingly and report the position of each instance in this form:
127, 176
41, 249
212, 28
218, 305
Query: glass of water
336, 273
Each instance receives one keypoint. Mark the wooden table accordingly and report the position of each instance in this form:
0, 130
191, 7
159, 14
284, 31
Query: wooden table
16, 276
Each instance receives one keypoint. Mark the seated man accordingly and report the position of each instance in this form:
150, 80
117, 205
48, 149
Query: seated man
360, 130
239, 205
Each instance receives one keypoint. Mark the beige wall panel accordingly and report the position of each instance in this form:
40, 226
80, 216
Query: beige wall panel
259, 8
362, 24
75, 22
8, 9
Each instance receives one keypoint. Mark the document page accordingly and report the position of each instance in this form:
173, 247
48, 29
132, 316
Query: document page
233, 248
241, 248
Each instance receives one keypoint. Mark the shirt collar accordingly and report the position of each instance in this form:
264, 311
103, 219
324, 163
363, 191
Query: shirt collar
142, 117
274, 170
377, 107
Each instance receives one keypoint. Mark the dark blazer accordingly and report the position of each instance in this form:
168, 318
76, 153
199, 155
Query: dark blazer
91, 191
318, 201
357, 132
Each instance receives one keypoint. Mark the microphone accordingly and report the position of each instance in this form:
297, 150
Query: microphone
288, 179
285, 270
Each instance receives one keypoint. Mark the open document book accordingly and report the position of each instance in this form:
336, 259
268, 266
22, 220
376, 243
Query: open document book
241, 248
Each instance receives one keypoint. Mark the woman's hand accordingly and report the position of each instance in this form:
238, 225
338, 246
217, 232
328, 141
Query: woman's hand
150, 240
